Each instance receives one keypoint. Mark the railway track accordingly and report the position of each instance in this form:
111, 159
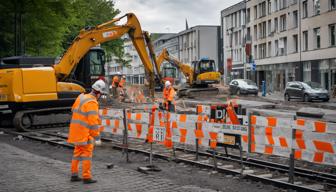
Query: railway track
249, 168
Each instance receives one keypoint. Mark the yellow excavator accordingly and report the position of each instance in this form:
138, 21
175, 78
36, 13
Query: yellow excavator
28, 93
200, 75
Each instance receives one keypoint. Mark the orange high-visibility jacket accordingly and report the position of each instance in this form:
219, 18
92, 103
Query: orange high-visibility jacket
115, 81
122, 82
85, 121
168, 94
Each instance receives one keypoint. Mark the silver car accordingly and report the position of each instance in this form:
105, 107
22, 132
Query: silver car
305, 91
243, 86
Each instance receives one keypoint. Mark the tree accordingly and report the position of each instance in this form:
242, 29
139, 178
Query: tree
47, 27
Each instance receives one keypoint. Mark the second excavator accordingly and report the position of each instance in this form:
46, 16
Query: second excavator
200, 75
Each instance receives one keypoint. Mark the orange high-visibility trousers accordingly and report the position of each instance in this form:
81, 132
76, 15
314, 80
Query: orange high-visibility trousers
82, 153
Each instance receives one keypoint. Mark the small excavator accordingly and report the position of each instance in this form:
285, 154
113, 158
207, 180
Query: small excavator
31, 96
200, 75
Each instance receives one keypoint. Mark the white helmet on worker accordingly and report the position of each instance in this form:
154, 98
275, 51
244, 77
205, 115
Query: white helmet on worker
99, 86
167, 84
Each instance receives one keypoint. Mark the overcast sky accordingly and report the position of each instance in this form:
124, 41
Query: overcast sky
163, 16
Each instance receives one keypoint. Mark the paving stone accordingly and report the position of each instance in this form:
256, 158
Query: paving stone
24, 171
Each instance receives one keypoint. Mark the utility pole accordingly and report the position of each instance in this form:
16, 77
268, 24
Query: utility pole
299, 35
244, 39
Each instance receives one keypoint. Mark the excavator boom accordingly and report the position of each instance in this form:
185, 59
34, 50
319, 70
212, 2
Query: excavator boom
108, 31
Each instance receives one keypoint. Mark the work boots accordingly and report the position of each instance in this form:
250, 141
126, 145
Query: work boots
89, 181
75, 179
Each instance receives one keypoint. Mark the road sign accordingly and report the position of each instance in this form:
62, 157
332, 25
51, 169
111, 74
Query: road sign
253, 66
159, 134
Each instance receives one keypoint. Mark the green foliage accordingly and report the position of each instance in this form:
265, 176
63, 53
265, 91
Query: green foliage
49, 26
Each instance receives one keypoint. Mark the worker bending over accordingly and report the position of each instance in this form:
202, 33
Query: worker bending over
122, 88
85, 127
168, 96
115, 84
122, 82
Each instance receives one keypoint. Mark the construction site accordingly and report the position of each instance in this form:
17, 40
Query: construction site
182, 129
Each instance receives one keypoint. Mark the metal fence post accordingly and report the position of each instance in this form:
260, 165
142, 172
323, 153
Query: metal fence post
196, 127
125, 137
214, 159
249, 134
292, 157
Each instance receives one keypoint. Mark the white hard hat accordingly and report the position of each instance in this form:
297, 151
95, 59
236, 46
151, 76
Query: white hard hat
167, 83
99, 86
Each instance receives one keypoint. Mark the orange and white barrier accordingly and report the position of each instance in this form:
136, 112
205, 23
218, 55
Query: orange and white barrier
313, 141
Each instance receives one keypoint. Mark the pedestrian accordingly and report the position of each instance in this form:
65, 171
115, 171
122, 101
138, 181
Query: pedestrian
84, 132
168, 96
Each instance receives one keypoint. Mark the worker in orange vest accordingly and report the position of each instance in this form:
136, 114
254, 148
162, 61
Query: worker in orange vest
168, 96
84, 131
115, 84
122, 88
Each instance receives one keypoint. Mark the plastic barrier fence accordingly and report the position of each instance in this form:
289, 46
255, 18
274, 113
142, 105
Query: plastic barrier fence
312, 141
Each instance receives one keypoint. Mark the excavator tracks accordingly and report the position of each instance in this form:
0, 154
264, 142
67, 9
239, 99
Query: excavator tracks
196, 92
28, 120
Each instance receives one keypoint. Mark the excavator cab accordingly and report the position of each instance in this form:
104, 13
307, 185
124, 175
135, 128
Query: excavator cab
205, 72
169, 73
91, 65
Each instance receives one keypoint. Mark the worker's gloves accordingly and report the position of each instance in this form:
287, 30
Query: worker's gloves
98, 142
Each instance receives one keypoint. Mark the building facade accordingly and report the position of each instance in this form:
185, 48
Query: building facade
199, 42
292, 40
134, 70
233, 33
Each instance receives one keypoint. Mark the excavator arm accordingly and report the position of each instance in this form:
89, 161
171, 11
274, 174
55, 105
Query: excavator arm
184, 68
90, 37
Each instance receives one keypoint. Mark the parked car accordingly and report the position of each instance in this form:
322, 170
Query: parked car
243, 86
306, 91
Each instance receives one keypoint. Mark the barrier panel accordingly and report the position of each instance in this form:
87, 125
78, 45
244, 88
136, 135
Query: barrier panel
313, 141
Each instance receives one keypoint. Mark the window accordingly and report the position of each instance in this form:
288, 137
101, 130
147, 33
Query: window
317, 7
269, 53
305, 9
283, 22
283, 4
295, 43
305, 40
96, 63
248, 15
263, 29
255, 32
269, 26
255, 12
295, 19
262, 51
332, 4
275, 24
255, 52
269, 7
332, 32
248, 34
276, 47
275, 5
262, 9
283, 46
235, 20
317, 38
